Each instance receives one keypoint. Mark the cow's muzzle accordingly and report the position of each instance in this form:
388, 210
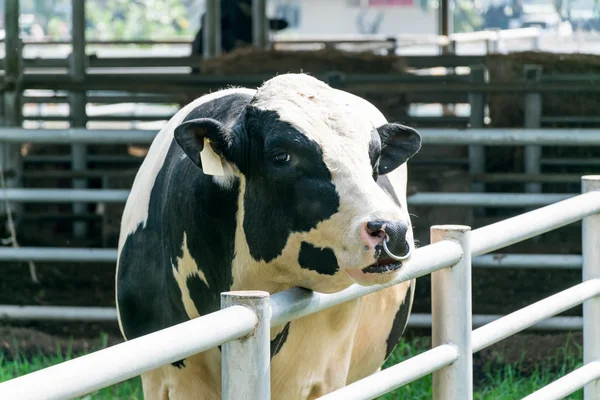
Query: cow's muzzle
388, 240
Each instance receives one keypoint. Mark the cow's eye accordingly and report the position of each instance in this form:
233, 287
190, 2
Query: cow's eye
282, 158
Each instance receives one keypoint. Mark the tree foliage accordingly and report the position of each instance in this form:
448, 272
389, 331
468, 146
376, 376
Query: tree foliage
115, 19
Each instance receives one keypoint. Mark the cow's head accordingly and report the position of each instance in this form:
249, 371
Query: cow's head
312, 214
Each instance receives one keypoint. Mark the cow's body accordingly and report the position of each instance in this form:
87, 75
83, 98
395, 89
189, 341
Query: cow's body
185, 238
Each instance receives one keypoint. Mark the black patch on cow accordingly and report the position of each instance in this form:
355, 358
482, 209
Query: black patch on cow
317, 259
279, 340
399, 324
282, 198
182, 200
179, 364
386, 185
236, 27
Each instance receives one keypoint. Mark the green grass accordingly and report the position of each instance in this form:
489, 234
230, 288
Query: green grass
130, 389
19, 365
498, 381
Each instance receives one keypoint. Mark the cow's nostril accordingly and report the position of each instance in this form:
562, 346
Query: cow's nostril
377, 233
374, 227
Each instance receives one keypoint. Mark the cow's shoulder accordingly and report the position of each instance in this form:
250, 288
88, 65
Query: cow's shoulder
175, 260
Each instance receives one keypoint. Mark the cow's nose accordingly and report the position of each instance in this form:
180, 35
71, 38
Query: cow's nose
393, 232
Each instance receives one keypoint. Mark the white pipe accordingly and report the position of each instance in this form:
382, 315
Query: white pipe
76, 135
534, 223
417, 320
528, 261
109, 314
534, 313
58, 254
451, 315
58, 313
74, 254
512, 137
591, 270
419, 199
485, 199
487, 137
562, 387
115, 364
398, 375
65, 195
246, 363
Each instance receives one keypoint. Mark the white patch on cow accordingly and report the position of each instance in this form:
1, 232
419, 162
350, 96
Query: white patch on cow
138, 201
186, 268
377, 315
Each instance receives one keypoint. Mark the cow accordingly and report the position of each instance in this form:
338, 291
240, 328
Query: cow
309, 191
236, 27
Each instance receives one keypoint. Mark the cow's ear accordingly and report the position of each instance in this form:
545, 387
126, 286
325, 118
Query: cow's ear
398, 144
192, 135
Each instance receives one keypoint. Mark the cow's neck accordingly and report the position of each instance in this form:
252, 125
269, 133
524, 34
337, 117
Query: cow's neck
249, 274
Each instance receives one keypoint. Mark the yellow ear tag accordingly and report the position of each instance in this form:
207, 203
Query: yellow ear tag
211, 162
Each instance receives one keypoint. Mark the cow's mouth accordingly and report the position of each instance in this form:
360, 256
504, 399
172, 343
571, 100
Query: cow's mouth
383, 266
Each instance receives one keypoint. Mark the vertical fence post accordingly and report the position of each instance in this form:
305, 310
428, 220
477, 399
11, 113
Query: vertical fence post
259, 24
246, 362
533, 120
477, 120
10, 154
212, 29
77, 104
591, 269
451, 316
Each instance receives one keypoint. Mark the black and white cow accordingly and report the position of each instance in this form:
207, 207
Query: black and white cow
314, 181
236, 26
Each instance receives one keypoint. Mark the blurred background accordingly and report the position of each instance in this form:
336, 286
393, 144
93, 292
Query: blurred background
85, 85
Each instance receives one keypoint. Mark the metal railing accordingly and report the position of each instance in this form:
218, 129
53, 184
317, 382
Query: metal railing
390, 42
245, 366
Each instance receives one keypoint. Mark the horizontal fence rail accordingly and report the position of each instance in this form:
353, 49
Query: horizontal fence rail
519, 320
419, 199
94, 255
100, 369
562, 387
398, 375
487, 137
108, 314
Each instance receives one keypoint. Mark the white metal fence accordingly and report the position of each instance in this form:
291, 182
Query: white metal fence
245, 365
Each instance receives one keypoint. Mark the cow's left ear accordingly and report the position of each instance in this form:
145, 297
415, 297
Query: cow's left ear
191, 135
398, 144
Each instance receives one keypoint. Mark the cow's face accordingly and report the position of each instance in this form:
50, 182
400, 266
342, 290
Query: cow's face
313, 213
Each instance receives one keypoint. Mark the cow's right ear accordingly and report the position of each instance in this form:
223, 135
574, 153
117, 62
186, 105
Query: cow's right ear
191, 136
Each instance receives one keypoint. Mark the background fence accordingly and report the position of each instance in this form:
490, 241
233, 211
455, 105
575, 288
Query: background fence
489, 137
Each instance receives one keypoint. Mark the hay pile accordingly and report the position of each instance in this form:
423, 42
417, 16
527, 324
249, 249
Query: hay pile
247, 61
